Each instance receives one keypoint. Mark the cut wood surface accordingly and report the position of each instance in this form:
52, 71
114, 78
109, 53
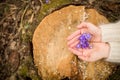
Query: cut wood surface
51, 55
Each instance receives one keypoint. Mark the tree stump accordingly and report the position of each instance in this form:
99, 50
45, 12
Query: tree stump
51, 55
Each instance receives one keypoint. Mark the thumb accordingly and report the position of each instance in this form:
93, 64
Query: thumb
82, 25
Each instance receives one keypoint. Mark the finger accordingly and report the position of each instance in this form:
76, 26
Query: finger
91, 27
73, 35
85, 58
74, 44
82, 25
81, 50
82, 57
86, 24
84, 30
86, 53
75, 51
73, 40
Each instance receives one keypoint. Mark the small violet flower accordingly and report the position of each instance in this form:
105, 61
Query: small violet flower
47, 1
84, 41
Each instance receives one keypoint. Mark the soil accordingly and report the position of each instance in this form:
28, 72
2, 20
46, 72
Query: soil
19, 19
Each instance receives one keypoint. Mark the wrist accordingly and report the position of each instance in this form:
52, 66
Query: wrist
100, 34
107, 50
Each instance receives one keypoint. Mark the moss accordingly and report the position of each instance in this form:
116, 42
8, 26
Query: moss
23, 70
53, 5
26, 35
25, 66
35, 77
26, 70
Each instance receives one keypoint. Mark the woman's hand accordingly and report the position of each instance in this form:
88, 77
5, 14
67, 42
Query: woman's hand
85, 27
99, 51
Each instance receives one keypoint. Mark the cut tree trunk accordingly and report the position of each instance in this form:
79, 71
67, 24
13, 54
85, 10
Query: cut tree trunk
51, 55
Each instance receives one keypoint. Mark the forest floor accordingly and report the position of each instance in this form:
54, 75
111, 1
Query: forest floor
18, 20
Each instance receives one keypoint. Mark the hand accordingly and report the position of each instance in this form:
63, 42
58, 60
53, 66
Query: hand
95, 31
86, 27
99, 51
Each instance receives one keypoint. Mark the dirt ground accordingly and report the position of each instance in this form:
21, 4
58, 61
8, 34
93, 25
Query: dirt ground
18, 20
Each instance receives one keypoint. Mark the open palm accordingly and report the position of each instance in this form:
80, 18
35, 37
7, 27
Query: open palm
99, 51
85, 27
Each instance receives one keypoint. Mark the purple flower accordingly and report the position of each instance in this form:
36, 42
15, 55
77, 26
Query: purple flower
87, 36
84, 41
78, 46
47, 1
